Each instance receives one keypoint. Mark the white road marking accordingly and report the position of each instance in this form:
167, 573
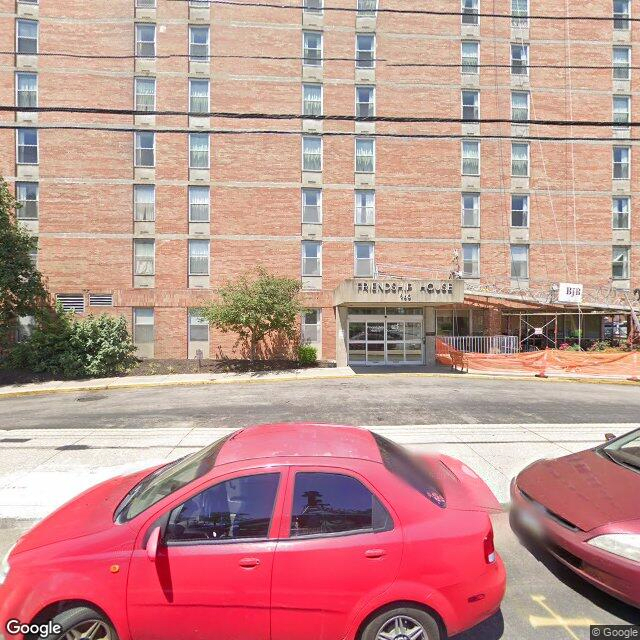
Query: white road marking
40, 469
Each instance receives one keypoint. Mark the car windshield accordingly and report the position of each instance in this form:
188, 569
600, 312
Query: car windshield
167, 480
626, 450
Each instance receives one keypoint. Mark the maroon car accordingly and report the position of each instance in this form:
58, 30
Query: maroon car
585, 509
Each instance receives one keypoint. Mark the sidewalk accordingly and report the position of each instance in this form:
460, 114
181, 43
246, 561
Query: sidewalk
195, 379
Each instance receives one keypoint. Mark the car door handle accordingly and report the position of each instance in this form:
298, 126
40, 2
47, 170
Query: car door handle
375, 553
248, 563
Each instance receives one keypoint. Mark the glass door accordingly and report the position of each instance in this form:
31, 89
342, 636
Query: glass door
385, 341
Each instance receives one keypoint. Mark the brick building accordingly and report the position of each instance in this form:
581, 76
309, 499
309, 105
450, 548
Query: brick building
146, 214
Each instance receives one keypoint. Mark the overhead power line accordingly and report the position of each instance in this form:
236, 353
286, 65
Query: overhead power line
426, 12
229, 115
324, 134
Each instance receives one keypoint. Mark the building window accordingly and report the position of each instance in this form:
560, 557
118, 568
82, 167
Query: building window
143, 325
470, 57
198, 150
364, 259
366, 207
199, 252
199, 204
367, 7
312, 99
198, 327
198, 95
311, 326
471, 260
199, 44
621, 109
621, 163
470, 11
520, 159
365, 155
144, 257
144, 202
312, 206
145, 142
519, 211
520, 14
621, 213
27, 146
620, 263
520, 261
520, 106
470, 209
312, 48
312, 6
71, 302
26, 90
27, 37
27, 197
145, 40
470, 105
622, 63
311, 258
621, 14
145, 94
470, 158
311, 153
520, 59
365, 51
365, 102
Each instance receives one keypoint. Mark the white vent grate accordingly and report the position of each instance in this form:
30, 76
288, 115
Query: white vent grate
100, 300
71, 302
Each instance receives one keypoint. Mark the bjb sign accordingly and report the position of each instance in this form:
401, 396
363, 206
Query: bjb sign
570, 292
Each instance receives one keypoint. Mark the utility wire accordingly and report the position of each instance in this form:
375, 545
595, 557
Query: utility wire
320, 118
426, 12
324, 134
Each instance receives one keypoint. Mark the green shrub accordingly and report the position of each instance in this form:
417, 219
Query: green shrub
94, 346
307, 355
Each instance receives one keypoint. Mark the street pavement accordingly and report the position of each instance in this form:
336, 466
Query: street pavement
53, 447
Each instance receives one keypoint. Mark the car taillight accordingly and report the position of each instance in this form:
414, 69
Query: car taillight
489, 548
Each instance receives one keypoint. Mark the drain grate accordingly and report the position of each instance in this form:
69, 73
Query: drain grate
90, 398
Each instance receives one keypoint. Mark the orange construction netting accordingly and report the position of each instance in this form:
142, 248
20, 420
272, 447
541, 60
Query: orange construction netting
542, 362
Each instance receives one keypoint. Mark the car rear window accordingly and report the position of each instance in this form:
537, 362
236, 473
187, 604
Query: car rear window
168, 480
402, 464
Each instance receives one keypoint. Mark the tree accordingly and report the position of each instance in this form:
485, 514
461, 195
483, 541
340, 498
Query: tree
257, 306
22, 288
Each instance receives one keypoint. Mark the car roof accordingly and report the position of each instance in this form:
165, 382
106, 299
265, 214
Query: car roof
299, 440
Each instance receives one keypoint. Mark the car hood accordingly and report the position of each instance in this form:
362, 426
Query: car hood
89, 513
586, 489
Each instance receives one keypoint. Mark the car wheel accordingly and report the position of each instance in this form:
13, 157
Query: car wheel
402, 623
82, 623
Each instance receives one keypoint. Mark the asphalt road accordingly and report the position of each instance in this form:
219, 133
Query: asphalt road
375, 400
544, 601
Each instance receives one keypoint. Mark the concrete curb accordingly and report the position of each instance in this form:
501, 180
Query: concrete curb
110, 386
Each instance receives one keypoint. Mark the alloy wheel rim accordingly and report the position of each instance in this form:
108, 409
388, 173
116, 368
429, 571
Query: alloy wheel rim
89, 630
402, 628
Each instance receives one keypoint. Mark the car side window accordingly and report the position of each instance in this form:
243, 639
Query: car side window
332, 503
236, 509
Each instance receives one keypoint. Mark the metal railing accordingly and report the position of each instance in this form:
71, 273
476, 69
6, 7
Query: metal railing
483, 344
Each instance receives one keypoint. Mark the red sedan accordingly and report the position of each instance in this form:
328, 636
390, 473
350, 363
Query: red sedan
277, 532
584, 509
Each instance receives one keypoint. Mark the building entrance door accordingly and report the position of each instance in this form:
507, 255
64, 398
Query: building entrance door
390, 340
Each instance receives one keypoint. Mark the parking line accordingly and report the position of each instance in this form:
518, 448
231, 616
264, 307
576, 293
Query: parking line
557, 620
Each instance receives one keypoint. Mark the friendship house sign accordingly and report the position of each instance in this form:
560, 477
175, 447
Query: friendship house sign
415, 291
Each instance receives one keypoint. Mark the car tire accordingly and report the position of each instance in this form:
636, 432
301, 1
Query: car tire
411, 615
80, 619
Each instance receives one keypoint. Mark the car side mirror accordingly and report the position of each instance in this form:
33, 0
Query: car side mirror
609, 436
153, 543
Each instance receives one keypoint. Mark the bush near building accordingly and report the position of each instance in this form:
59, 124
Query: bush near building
61, 345
307, 355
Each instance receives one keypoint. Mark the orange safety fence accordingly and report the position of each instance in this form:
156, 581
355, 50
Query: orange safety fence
548, 361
